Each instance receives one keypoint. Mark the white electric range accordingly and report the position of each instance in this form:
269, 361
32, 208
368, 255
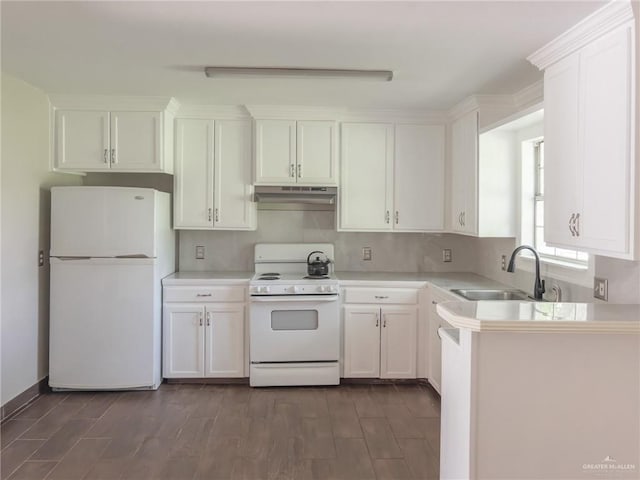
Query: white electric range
294, 318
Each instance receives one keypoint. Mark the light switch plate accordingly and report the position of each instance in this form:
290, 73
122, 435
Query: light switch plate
446, 255
601, 288
366, 253
200, 252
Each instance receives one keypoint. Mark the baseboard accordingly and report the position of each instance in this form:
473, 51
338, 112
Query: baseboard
22, 400
212, 381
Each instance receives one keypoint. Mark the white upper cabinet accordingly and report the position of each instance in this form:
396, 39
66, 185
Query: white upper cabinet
483, 183
212, 184
193, 180
392, 177
290, 151
591, 193
418, 177
88, 139
366, 176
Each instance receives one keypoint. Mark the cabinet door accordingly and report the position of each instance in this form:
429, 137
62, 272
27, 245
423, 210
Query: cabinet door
136, 141
464, 174
275, 151
366, 176
225, 340
361, 342
193, 180
562, 166
316, 153
435, 347
398, 342
234, 207
606, 101
82, 140
418, 174
183, 341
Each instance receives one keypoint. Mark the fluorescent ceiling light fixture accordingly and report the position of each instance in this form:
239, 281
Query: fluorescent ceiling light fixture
266, 72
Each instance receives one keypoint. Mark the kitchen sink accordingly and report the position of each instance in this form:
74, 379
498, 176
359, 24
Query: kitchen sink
492, 294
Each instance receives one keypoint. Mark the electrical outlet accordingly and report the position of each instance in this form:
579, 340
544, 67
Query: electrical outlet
503, 263
601, 288
446, 255
200, 252
366, 253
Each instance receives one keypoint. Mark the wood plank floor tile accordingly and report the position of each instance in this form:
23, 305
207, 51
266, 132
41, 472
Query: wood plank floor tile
420, 459
61, 442
379, 438
219, 458
12, 429
106, 470
80, 459
403, 424
33, 470
316, 440
344, 420
97, 406
430, 428
50, 423
16, 453
42, 405
353, 459
391, 469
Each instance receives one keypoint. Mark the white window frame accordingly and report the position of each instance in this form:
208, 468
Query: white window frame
552, 267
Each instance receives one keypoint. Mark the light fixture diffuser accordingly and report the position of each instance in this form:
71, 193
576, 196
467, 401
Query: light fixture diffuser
273, 72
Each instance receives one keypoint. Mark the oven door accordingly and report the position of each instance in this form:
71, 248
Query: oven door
301, 328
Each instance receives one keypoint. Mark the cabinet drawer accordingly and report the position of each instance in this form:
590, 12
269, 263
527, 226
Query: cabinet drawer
204, 294
381, 295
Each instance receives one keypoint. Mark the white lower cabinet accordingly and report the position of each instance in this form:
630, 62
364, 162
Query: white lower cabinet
380, 341
203, 339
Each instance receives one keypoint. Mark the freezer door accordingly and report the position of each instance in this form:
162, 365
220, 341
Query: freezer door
103, 222
105, 324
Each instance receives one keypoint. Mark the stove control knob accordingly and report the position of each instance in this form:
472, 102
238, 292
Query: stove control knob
298, 289
321, 288
263, 289
331, 288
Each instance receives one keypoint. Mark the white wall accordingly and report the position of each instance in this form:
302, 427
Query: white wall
24, 217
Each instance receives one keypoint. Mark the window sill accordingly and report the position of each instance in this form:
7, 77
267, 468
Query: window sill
558, 270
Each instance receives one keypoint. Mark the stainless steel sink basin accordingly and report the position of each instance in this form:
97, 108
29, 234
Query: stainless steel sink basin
492, 294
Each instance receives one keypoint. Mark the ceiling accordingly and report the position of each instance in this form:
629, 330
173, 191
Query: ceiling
440, 51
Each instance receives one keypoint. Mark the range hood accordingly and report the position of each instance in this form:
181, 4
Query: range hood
295, 198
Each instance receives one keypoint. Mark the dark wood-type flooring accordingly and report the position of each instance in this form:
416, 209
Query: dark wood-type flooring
188, 432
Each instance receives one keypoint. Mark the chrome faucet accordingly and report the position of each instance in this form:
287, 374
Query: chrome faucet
538, 287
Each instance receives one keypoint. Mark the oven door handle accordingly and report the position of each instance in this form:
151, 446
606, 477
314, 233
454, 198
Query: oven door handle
295, 298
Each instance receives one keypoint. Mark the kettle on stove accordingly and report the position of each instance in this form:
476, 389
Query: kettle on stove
318, 267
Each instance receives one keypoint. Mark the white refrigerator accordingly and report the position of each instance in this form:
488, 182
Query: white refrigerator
110, 248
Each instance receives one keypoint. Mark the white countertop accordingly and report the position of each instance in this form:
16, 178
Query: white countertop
417, 279
208, 278
511, 316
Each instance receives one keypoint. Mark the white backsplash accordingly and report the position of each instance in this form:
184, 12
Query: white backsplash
391, 252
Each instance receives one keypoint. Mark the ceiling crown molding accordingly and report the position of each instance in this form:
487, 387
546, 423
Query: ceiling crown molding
600, 22
219, 112
293, 112
482, 102
112, 102
531, 95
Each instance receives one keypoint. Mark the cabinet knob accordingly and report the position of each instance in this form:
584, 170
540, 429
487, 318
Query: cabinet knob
386, 217
292, 170
209, 214
217, 216
377, 319
106, 155
208, 319
299, 170
397, 216
114, 157
200, 319
434, 302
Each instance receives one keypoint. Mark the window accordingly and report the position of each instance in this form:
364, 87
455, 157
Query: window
571, 257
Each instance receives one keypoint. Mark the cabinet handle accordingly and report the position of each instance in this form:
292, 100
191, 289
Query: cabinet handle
464, 219
208, 319
397, 216
384, 323
114, 157
209, 214
381, 297
577, 225
571, 221
460, 218
299, 170
433, 302
386, 217
292, 170
377, 319
201, 319
106, 153
217, 216
203, 295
